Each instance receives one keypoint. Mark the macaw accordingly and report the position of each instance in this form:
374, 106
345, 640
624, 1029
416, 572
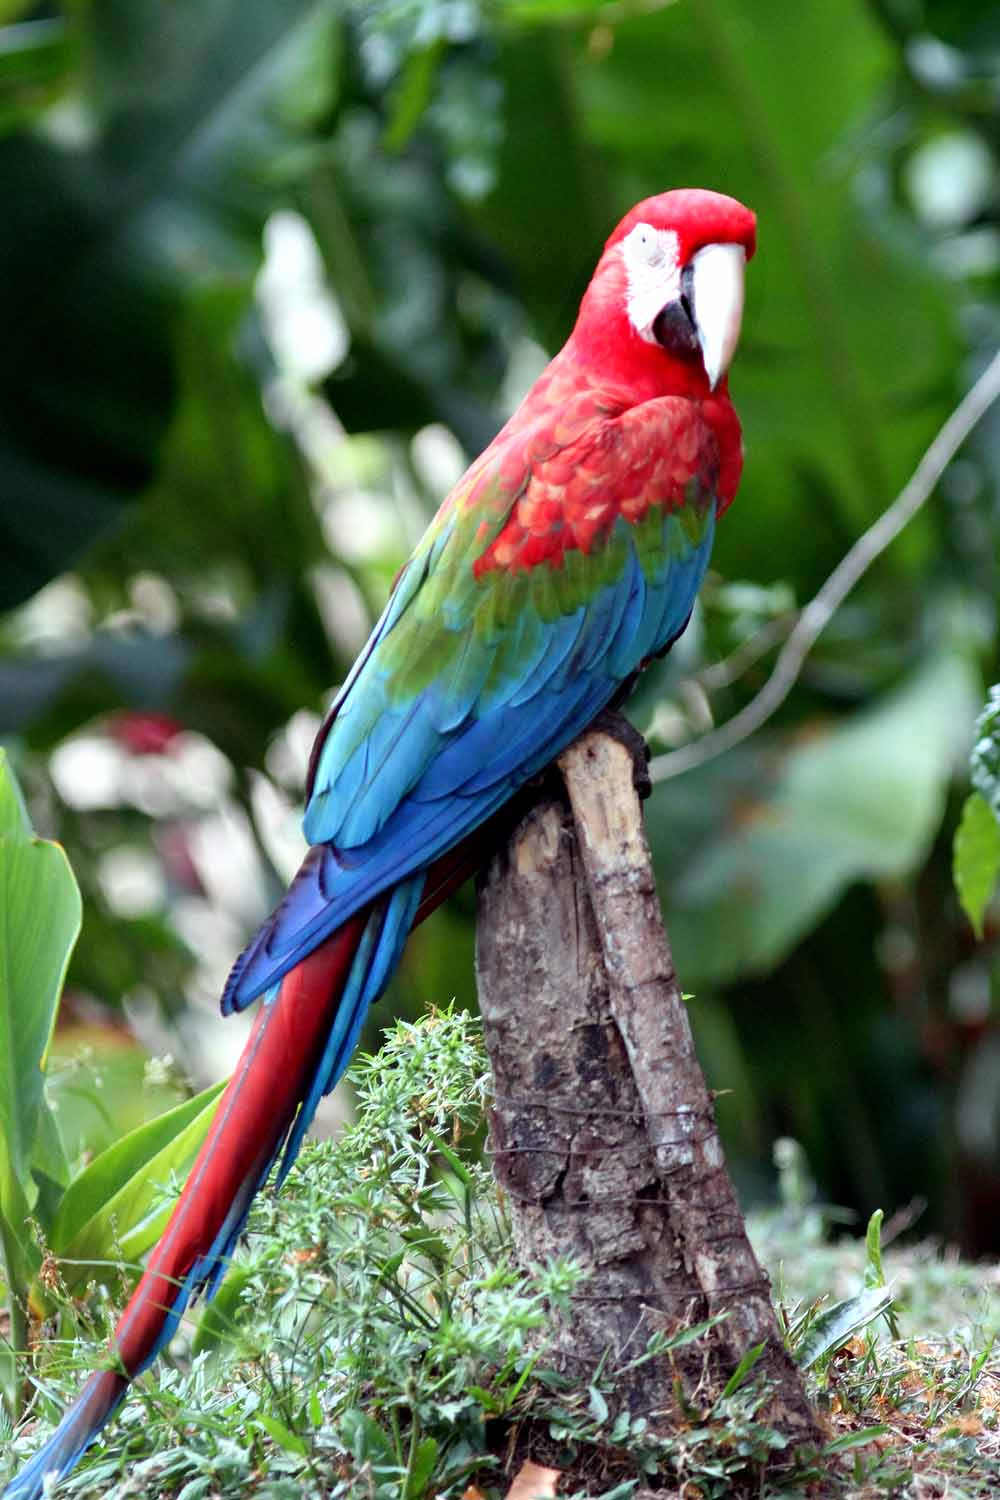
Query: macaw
568, 555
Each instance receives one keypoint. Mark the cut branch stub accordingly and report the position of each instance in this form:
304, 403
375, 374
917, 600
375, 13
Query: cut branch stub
603, 1129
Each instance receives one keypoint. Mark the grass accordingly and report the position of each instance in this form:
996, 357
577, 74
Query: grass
375, 1341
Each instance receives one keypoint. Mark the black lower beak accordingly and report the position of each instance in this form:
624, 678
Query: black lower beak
674, 330
674, 326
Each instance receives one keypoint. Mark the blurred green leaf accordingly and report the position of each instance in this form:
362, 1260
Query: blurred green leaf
976, 859
106, 233
859, 1439
861, 800
965, 23
118, 1206
547, 223
747, 1363
368, 1441
41, 920
36, 59
556, 10
412, 94
49, 1168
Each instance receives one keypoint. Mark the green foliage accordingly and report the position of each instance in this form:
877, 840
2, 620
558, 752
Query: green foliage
861, 799
41, 919
875, 1267
117, 1205
373, 1339
106, 234
35, 64
116, 1208
382, 1281
819, 1329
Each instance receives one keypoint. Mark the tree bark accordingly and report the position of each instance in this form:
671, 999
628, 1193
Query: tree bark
603, 1129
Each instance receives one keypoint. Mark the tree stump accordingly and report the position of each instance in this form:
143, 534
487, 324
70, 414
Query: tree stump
603, 1129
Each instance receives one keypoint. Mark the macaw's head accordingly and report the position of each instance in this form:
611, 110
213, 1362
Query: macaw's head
665, 304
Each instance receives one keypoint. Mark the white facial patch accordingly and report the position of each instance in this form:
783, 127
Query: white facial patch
654, 276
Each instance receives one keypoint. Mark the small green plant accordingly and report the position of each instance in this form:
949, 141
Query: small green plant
378, 1298
60, 1229
820, 1328
716, 1445
374, 1340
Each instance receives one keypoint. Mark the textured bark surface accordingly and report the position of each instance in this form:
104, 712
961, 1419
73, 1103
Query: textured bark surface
603, 1129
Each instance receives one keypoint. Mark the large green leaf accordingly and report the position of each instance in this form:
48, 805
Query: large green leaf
118, 1206
859, 801
40, 914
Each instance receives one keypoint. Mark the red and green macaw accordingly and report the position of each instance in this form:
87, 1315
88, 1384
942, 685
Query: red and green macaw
568, 555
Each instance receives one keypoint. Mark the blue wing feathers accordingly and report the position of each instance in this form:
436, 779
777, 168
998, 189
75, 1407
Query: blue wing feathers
430, 770
400, 747
601, 637
562, 637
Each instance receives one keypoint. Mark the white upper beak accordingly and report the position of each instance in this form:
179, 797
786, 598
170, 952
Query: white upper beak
718, 305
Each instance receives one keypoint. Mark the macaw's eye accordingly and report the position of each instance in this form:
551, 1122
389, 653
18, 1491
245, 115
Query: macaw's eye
674, 327
647, 244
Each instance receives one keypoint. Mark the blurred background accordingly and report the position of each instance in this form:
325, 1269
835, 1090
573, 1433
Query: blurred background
272, 271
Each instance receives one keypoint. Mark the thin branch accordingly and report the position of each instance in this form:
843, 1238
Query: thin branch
852, 566
723, 673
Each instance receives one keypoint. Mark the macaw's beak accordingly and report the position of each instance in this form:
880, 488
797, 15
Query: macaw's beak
707, 315
717, 277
